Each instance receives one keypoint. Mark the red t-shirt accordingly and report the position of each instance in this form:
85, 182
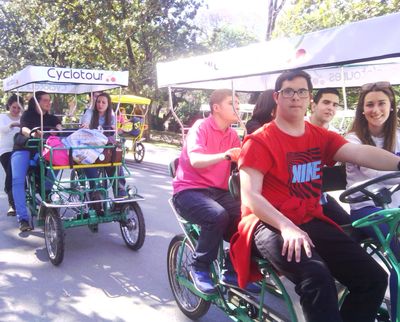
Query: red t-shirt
292, 167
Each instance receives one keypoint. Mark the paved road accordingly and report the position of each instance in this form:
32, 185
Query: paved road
100, 279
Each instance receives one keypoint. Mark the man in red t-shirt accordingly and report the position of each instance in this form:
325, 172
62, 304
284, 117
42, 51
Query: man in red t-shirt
280, 173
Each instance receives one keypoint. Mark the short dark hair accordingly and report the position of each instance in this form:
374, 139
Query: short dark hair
290, 75
32, 102
322, 91
218, 96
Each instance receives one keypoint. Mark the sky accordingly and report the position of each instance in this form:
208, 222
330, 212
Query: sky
251, 14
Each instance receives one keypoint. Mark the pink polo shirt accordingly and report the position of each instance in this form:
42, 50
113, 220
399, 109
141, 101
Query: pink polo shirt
205, 137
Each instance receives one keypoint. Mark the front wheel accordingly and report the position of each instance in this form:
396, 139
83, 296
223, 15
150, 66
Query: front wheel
179, 258
138, 152
54, 236
133, 228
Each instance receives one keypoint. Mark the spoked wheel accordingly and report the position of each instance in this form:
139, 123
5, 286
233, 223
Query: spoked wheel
139, 152
54, 236
190, 304
133, 229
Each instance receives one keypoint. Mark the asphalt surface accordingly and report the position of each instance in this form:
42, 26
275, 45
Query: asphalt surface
100, 279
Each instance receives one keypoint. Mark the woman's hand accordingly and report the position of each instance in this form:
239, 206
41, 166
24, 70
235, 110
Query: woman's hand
84, 125
294, 239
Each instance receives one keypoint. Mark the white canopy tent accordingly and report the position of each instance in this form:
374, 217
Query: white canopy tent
349, 55
64, 80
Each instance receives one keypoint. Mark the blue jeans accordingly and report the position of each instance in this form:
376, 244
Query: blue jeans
335, 255
394, 246
217, 214
20, 165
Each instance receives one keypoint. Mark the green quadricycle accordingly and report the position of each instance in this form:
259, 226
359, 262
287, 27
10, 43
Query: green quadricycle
74, 198
277, 300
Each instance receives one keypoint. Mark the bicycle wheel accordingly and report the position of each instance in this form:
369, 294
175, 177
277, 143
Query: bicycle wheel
133, 229
138, 152
190, 304
54, 236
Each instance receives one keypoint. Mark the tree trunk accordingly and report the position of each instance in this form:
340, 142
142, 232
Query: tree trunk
274, 8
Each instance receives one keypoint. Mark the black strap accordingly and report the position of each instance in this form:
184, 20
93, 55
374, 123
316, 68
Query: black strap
113, 155
70, 159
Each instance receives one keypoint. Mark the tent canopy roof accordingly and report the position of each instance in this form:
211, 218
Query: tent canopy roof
255, 67
64, 80
130, 99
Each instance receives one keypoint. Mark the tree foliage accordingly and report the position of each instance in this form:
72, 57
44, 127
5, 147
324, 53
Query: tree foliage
312, 15
108, 34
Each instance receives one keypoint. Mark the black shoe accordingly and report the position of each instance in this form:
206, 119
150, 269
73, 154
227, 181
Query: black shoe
202, 280
11, 211
97, 206
24, 226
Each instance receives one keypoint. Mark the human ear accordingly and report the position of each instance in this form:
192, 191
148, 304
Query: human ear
275, 96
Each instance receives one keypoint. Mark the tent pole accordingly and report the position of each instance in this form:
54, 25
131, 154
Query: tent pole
344, 98
241, 124
117, 113
41, 115
171, 107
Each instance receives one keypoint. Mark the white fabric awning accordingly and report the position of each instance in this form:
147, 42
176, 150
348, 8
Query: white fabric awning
64, 80
348, 55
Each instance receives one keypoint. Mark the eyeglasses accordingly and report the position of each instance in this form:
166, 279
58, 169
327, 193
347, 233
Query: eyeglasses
289, 92
369, 86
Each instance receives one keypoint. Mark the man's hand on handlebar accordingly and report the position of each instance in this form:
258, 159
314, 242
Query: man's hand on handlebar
232, 154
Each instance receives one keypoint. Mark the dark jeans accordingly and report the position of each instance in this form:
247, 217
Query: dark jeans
394, 246
118, 183
335, 211
216, 212
335, 256
5, 160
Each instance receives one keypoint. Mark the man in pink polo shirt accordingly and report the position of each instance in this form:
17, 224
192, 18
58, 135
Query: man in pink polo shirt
201, 193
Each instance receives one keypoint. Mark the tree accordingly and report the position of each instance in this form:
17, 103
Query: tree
226, 37
312, 15
105, 34
274, 7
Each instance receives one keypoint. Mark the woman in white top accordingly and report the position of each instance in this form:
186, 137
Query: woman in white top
9, 126
375, 123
